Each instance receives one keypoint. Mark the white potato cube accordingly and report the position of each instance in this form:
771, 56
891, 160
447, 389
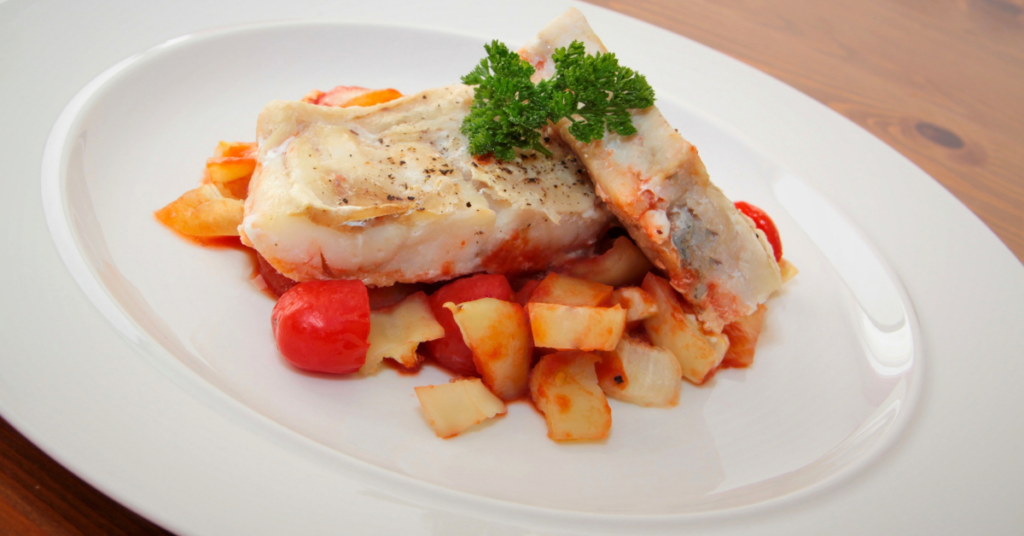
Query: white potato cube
678, 331
564, 388
453, 407
639, 304
566, 290
565, 327
498, 334
623, 264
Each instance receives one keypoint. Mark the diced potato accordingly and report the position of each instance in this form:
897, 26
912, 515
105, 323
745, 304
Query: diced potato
743, 335
235, 148
230, 168
623, 264
566, 290
639, 304
641, 374
202, 212
395, 332
677, 330
498, 334
788, 270
453, 407
564, 388
566, 327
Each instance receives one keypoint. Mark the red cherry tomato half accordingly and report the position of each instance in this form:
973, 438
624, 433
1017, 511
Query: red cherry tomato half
451, 351
323, 326
765, 224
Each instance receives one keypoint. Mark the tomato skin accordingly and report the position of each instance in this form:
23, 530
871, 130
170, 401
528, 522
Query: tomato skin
765, 224
451, 350
276, 281
323, 326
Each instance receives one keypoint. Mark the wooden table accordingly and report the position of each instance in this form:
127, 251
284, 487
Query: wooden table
941, 81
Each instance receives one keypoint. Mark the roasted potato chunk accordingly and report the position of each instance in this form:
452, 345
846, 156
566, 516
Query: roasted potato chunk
498, 334
453, 407
565, 327
203, 212
677, 330
564, 387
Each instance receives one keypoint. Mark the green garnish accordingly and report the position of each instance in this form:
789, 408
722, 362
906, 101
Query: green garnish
594, 92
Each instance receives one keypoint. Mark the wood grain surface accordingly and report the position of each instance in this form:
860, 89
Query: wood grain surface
941, 81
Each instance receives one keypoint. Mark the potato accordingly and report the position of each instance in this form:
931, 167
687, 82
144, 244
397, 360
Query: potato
676, 329
743, 335
566, 327
623, 264
788, 270
453, 407
235, 148
230, 168
566, 290
498, 334
639, 304
203, 211
396, 331
564, 388
641, 374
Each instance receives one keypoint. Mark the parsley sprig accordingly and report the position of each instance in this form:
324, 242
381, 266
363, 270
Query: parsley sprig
593, 91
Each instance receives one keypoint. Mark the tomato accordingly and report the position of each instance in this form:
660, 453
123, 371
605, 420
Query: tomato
451, 351
765, 224
323, 326
276, 281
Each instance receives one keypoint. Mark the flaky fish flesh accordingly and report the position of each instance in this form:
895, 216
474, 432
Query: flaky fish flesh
390, 194
656, 185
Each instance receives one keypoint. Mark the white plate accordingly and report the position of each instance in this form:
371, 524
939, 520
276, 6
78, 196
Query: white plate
184, 412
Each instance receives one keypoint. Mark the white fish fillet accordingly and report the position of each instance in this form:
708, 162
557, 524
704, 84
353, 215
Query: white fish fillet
657, 186
389, 193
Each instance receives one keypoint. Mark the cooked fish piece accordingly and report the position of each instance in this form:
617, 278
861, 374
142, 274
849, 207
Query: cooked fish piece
390, 194
657, 186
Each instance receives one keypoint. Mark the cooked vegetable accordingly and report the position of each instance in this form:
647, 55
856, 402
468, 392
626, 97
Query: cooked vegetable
566, 327
564, 387
498, 334
323, 326
641, 374
623, 264
637, 302
452, 407
676, 329
203, 211
565, 290
743, 335
593, 92
396, 331
450, 350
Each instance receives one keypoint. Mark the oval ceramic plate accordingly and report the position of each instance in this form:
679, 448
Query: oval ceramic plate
202, 427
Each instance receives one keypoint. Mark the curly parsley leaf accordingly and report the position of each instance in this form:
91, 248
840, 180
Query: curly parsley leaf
594, 92
506, 111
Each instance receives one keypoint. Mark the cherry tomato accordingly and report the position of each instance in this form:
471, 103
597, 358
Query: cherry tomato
323, 326
451, 351
277, 282
765, 224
